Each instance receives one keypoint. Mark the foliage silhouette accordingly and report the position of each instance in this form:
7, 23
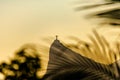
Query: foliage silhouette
24, 66
110, 16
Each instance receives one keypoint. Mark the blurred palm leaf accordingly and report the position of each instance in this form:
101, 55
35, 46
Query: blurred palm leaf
111, 16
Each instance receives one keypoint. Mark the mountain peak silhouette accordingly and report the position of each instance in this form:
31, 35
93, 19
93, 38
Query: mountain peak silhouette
65, 64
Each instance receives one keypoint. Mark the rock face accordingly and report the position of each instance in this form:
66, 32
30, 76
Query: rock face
65, 64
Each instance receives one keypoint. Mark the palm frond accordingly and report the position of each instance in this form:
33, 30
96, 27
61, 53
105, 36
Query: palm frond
111, 15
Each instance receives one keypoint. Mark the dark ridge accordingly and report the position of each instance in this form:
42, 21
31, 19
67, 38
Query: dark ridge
65, 64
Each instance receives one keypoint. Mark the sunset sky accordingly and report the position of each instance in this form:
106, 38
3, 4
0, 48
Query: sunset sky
28, 21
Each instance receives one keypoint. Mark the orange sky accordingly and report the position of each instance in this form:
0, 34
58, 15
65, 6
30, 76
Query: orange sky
29, 21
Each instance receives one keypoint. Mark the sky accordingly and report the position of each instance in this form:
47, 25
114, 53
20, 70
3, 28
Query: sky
29, 21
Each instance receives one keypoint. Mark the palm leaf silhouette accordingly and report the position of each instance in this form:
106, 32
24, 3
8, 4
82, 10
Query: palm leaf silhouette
65, 64
111, 16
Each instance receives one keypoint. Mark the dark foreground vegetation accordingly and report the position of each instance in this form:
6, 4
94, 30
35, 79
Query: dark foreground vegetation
96, 60
24, 66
